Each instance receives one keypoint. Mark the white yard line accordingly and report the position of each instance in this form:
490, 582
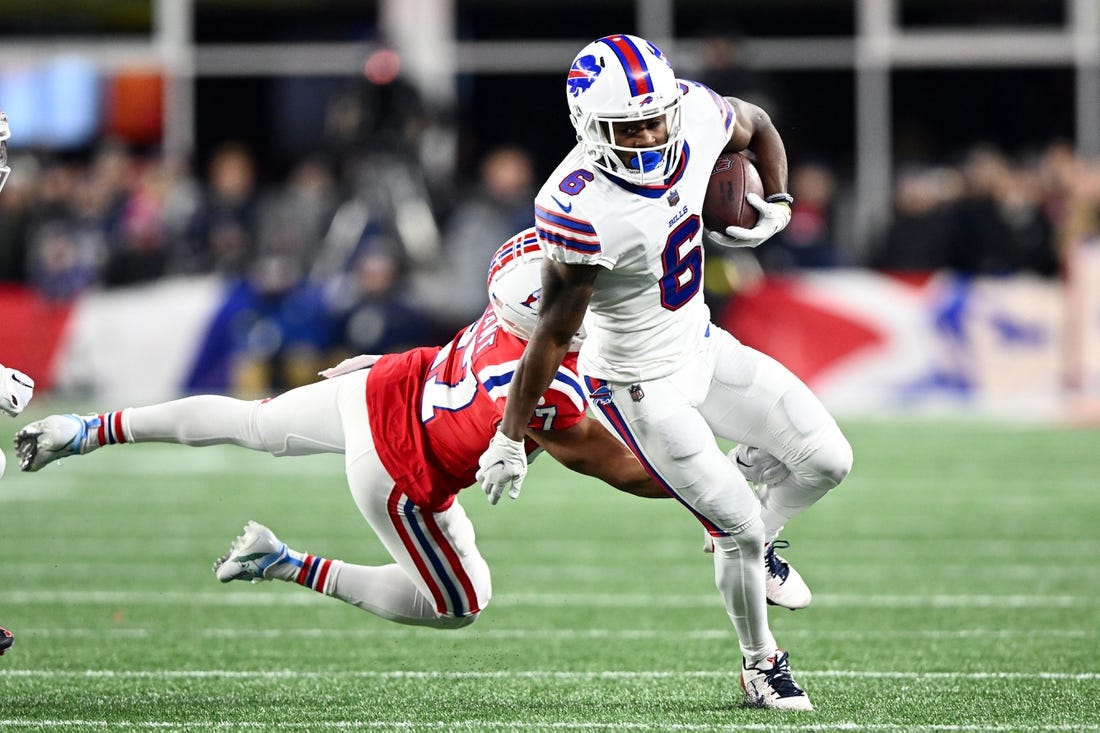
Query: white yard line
296, 597
556, 634
482, 725
546, 674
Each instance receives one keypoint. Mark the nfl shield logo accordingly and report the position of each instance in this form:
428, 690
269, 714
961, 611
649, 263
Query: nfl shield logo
673, 197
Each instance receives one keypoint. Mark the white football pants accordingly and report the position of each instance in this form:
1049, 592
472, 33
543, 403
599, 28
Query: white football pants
440, 578
739, 394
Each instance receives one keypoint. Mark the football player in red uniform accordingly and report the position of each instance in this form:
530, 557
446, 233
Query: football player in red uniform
411, 426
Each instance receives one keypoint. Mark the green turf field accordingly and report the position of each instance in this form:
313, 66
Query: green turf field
956, 579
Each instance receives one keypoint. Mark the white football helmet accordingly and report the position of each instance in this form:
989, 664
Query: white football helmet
5, 133
620, 78
515, 286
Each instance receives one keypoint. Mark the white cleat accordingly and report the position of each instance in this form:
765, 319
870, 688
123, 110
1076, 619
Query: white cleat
251, 555
782, 583
57, 436
769, 684
784, 586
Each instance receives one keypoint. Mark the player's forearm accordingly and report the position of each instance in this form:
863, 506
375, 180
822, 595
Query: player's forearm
534, 373
566, 291
755, 131
590, 449
626, 474
771, 159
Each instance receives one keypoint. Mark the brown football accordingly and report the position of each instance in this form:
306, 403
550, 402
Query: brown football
733, 176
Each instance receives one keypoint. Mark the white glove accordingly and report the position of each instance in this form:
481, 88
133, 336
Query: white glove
16, 390
774, 217
349, 365
503, 466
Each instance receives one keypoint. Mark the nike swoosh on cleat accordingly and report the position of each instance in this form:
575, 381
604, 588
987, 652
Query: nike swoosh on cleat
252, 557
741, 463
564, 208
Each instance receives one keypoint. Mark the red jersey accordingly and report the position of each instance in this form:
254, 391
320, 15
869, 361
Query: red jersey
434, 410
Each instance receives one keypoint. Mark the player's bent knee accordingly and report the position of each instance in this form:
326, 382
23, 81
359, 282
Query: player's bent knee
833, 461
843, 466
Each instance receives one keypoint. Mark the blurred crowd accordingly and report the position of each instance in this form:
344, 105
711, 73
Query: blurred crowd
375, 256
991, 214
338, 257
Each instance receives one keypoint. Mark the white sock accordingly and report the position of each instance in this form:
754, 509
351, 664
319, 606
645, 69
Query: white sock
739, 575
784, 501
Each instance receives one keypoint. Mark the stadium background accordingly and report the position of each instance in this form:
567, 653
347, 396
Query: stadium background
251, 190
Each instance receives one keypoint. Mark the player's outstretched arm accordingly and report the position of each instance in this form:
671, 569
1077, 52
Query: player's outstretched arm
566, 290
588, 448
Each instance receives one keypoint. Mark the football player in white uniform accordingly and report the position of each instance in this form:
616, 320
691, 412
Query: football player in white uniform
620, 223
16, 388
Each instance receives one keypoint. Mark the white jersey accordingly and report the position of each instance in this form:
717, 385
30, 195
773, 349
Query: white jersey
647, 312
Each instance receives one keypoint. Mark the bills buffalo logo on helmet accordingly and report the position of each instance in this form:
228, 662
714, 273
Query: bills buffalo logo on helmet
532, 299
581, 75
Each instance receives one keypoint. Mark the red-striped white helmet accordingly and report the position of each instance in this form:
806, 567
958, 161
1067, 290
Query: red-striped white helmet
515, 286
625, 78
